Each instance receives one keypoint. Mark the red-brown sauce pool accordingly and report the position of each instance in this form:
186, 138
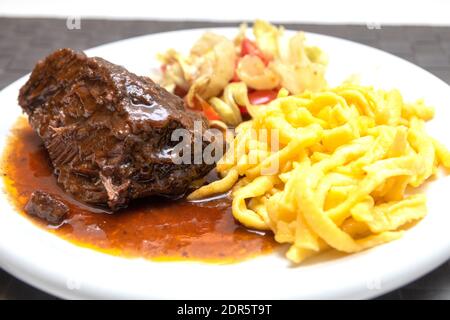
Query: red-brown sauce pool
150, 228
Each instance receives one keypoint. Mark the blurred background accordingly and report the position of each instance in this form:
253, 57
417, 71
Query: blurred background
416, 30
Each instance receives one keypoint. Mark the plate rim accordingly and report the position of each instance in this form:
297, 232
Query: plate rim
21, 268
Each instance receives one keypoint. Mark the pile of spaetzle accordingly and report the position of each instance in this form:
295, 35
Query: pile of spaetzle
342, 171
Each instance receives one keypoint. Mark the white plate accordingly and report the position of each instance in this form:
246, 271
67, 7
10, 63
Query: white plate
69, 271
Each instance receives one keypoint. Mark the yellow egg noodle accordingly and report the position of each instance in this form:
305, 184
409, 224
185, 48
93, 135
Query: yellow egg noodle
234, 95
345, 161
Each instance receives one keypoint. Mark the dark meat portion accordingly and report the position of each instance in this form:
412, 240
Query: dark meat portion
45, 206
108, 131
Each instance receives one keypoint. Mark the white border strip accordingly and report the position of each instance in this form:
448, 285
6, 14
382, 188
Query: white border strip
412, 12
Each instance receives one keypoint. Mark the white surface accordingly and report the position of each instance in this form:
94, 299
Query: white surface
68, 271
426, 12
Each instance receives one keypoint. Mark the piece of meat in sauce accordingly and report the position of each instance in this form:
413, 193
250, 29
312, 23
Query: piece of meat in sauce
46, 206
108, 131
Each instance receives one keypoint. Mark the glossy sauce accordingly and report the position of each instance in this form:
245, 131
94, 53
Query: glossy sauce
151, 228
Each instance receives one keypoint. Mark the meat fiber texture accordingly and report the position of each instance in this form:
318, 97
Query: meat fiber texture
108, 131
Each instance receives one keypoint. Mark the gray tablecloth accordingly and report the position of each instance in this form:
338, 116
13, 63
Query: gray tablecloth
24, 41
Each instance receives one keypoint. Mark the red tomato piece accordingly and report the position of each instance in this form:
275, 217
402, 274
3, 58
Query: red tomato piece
206, 108
248, 47
259, 97
211, 114
243, 110
262, 96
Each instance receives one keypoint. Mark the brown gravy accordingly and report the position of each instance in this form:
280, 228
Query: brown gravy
150, 228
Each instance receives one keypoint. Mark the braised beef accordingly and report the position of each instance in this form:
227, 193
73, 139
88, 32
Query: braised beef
46, 206
108, 131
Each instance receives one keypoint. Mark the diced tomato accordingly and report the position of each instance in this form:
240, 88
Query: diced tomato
259, 97
163, 68
248, 47
262, 96
211, 114
205, 107
243, 110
